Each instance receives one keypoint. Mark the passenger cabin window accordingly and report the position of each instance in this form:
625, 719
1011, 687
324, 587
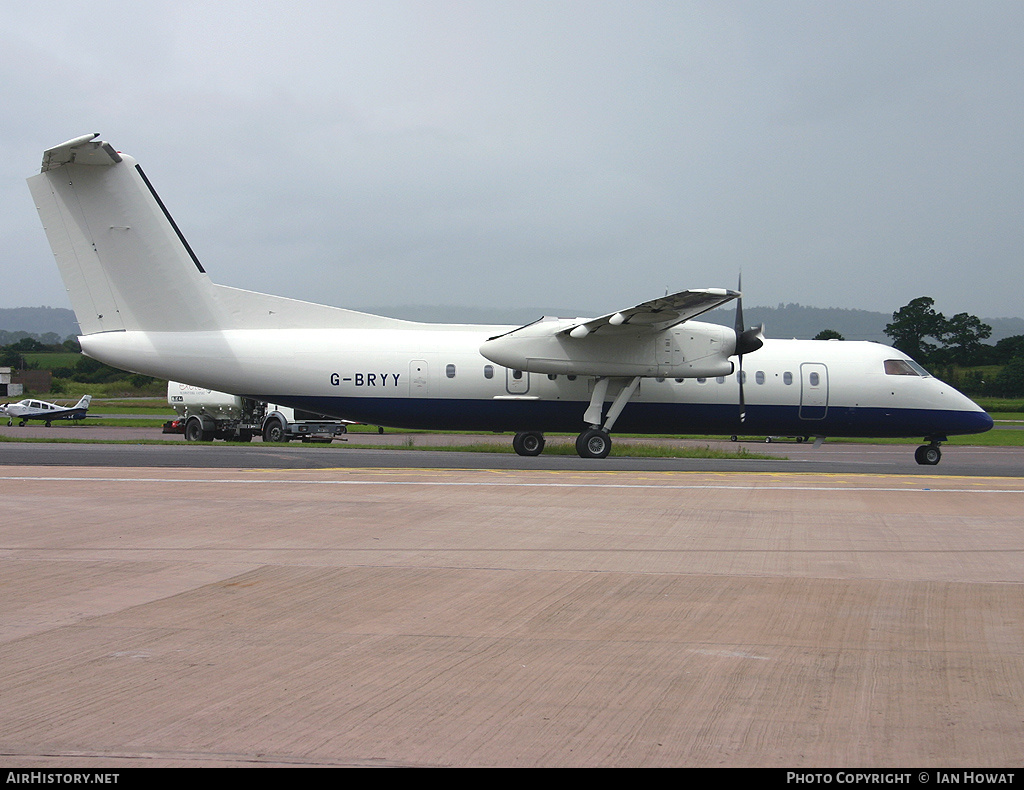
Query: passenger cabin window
488, 371
449, 370
787, 378
759, 377
815, 379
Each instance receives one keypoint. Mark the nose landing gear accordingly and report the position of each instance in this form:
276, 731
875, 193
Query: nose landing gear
929, 454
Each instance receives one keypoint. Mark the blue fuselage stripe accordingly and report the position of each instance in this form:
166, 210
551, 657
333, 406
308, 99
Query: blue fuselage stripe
690, 418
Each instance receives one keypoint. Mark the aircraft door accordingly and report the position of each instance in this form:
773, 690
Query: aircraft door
813, 391
419, 379
517, 382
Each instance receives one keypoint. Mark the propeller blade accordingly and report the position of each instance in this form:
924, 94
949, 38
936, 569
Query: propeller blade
743, 405
738, 325
747, 341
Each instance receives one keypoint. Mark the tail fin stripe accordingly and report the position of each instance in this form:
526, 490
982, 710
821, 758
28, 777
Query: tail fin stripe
170, 219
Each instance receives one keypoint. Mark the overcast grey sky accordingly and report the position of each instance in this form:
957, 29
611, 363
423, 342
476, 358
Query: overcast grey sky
583, 154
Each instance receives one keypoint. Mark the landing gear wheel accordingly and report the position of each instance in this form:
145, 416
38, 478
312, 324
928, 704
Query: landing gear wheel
928, 454
273, 432
593, 443
528, 443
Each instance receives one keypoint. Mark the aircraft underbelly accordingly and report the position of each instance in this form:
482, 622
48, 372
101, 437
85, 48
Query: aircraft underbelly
639, 417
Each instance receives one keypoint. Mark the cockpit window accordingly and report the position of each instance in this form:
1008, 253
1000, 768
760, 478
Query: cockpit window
903, 367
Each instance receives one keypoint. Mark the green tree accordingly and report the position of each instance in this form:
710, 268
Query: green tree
9, 358
1008, 348
90, 371
913, 325
828, 334
963, 337
1010, 381
28, 345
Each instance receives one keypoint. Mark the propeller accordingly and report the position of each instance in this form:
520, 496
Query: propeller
747, 341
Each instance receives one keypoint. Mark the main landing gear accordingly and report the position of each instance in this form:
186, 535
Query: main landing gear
528, 443
594, 441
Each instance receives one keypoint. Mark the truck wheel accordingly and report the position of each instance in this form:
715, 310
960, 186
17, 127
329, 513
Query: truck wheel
194, 431
274, 432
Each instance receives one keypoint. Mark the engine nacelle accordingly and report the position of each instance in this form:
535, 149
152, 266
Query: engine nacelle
690, 350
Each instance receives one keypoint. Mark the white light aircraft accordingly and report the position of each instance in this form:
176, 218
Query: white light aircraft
32, 409
145, 303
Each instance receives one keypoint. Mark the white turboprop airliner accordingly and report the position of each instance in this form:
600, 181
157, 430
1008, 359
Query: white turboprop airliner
33, 409
145, 303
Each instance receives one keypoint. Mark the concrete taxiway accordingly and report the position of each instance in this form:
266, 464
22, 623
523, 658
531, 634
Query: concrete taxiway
520, 617
375, 451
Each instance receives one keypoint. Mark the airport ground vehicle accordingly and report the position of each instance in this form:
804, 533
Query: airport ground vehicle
205, 415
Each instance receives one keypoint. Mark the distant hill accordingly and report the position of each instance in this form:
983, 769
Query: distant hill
39, 320
802, 322
784, 321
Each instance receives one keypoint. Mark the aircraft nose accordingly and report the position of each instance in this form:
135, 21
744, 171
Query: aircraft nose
974, 422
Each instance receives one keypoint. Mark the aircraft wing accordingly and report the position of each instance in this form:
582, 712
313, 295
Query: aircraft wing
658, 314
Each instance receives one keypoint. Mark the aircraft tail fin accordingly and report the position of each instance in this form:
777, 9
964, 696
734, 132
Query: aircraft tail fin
127, 266
123, 260
84, 402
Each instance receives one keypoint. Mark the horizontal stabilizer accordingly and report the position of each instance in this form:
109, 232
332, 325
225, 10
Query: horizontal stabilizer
84, 150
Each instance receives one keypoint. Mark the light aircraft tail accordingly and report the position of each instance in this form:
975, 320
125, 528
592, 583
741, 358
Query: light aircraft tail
83, 403
127, 266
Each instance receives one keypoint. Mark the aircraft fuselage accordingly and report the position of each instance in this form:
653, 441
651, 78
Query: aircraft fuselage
434, 377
